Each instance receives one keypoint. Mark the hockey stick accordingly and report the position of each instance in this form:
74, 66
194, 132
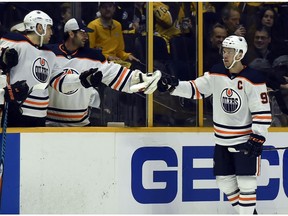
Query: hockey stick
3, 141
154, 68
3, 149
231, 149
40, 86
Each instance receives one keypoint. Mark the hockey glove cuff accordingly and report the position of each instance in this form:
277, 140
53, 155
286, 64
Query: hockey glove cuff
254, 145
167, 83
16, 92
91, 78
8, 59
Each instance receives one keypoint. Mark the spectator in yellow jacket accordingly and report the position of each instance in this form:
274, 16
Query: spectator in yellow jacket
108, 35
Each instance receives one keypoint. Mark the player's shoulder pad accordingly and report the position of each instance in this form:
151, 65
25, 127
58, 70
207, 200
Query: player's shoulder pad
45, 47
15, 36
53, 47
253, 75
218, 69
93, 54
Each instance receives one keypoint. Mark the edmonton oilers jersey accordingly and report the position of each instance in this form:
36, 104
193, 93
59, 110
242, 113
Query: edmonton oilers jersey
240, 102
35, 65
71, 109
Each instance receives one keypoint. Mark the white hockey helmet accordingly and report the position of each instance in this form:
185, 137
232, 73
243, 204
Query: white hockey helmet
37, 17
236, 42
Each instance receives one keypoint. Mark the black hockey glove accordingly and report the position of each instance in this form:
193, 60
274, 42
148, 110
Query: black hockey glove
253, 147
167, 83
16, 92
91, 78
8, 59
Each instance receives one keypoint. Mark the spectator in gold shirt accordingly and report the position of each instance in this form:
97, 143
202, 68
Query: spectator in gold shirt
108, 36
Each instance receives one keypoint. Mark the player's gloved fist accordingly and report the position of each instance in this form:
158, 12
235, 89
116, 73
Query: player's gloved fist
16, 92
253, 147
167, 83
91, 78
146, 83
9, 58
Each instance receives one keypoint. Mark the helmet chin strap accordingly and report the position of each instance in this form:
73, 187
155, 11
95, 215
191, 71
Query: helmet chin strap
41, 36
41, 40
234, 60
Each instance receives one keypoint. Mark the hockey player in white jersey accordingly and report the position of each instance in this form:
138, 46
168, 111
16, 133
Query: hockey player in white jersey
71, 109
37, 64
241, 118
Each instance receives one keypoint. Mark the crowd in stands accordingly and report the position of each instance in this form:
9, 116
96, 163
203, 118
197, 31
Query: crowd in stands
120, 30
263, 26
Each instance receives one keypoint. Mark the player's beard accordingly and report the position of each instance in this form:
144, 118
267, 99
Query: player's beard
78, 43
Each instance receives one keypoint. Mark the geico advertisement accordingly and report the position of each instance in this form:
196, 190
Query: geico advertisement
172, 173
128, 172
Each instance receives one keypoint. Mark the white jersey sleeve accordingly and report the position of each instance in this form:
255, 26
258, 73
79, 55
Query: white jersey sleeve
116, 76
64, 82
195, 89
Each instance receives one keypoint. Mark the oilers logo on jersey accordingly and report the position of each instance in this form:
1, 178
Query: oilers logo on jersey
41, 70
230, 100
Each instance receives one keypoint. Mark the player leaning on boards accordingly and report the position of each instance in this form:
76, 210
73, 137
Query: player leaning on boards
72, 109
241, 117
37, 64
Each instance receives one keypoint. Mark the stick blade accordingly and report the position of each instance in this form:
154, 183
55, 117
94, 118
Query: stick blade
1, 182
230, 149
